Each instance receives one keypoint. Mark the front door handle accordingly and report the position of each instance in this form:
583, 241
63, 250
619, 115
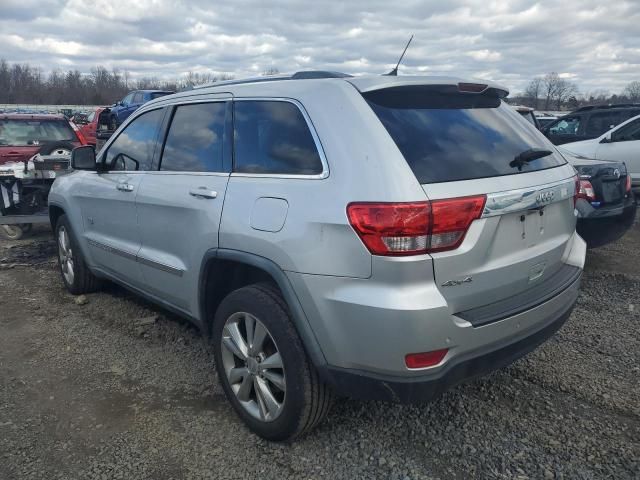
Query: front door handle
203, 192
125, 187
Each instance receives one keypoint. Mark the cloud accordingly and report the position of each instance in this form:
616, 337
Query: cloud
586, 41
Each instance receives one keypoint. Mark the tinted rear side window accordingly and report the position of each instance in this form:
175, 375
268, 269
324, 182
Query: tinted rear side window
452, 136
601, 122
196, 138
273, 137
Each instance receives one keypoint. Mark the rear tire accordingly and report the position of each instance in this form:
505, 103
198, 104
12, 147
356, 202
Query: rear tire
302, 400
75, 274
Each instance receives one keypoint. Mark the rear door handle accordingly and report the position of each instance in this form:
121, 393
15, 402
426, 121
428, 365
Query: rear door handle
203, 192
125, 187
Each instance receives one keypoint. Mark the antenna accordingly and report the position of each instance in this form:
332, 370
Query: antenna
394, 72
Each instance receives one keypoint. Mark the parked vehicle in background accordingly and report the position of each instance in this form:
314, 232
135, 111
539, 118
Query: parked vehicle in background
589, 122
23, 135
528, 114
544, 119
382, 237
121, 110
89, 127
621, 144
606, 206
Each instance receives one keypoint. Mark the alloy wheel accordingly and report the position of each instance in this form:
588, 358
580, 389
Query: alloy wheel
253, 366
66, 255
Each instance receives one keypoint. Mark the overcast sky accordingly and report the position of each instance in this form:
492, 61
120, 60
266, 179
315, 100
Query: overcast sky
594, 43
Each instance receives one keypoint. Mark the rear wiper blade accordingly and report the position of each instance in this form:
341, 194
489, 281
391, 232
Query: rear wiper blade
528, 156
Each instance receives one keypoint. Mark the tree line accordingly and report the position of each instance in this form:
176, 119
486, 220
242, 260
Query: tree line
552, 92
24, 83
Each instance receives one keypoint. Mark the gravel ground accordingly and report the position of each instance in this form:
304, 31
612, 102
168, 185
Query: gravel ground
109, 386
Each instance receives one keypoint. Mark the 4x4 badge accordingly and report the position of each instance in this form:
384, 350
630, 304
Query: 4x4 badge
453, 283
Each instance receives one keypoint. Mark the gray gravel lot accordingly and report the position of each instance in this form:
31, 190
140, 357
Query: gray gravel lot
112, 387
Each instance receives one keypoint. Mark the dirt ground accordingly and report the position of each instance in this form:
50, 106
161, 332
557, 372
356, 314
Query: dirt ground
113, 387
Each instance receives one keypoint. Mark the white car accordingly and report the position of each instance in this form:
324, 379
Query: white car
621, 143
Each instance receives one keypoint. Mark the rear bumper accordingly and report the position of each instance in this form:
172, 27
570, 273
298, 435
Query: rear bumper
364, 385
365, 327
602, 226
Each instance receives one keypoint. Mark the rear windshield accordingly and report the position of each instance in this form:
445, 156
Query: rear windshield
34, 132
451, 136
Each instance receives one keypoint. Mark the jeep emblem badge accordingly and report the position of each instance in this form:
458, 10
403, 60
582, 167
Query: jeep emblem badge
545, 198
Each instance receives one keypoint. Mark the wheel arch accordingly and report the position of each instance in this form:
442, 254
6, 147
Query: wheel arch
224, 270
55, 212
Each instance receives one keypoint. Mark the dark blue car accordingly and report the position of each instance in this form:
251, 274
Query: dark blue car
129, 104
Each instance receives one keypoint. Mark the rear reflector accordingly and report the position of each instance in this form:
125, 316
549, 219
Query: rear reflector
627, 185
426, 359
414, 228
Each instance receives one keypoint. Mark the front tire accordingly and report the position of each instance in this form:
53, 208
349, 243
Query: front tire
75, 274
262, 365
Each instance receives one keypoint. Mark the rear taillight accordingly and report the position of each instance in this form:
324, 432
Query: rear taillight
451, 220
586, 191
576, 192
81, 139
627, 184
392, 228
415, 228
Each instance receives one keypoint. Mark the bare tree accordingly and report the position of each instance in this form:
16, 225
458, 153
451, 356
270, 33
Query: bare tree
532, 92
632, 91
563, 91
557, 90
270, 71
549, 85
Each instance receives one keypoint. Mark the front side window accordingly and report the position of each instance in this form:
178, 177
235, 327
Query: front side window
25, 132
273, 137
566, 126
602, 122
196, 138
134, 147
630, 132
137, 98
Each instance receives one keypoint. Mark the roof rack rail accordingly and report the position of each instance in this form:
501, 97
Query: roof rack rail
302, 75
610, 105
310, 74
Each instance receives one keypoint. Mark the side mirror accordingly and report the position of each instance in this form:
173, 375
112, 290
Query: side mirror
606, 139
83, 158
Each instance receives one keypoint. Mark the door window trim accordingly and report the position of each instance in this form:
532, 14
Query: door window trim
316, 140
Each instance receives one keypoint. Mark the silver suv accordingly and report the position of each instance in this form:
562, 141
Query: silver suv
376, 237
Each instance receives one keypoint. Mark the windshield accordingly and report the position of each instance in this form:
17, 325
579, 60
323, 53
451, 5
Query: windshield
451, 136
34, 132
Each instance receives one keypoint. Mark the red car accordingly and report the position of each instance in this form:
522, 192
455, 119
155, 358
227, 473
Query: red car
24, 135
89, 128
